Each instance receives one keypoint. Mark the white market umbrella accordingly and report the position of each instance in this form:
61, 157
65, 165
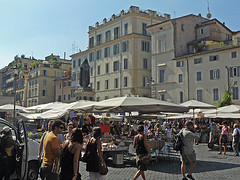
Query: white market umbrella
10, 107
44, 107
79, 104
137, 104
224, 115
225, 109
193, 104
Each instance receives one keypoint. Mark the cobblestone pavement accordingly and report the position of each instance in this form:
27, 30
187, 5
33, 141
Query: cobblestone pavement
210, 166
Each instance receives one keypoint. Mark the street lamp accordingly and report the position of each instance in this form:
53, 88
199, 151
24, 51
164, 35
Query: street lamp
15, 71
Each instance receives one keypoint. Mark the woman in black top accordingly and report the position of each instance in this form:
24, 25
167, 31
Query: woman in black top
70, 156
95, 157
142, 151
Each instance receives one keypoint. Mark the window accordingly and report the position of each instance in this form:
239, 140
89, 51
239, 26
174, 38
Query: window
214, 74
91, 56
213, 58
44, 92
215, 94
99, 54
181, 97
64, 97
91, 42
125, 82
30, 83
162, 97
98, 85
125, 29
145, 46
161, 46
125, 46
234, 71
60, 85
161, 76
59, 98
45, 73
116, 66
116, 83
116, 33
64, 84
234, 54
74, 63
145, 81
99, 39
36, 82
235, 93
197, 60
145, 63
201, 31
69, 96
106, 84
179, 63
106, 97
180, 78
108, 36
69, 83
106, 51
91, 71
29, 93
115, 49
199, 95
199, 76
144, 26
79, 62
98, 69
107, 67
44, 82
74, 77
125, 63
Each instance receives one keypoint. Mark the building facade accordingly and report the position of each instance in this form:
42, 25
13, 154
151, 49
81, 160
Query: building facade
191, 56
41, 80
119, 54
63, 88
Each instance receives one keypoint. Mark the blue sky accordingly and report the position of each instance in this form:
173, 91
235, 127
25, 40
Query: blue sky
42, 27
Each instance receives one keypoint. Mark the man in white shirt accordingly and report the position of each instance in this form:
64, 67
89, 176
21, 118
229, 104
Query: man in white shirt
235, 142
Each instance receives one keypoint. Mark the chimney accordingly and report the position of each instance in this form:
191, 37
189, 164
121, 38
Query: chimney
113, 16
134, 9
96, 24
64, 56
199, 15
122, 13
104, 21
167, 16
224, 23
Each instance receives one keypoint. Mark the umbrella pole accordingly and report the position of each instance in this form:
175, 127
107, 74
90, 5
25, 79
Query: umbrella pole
193, 116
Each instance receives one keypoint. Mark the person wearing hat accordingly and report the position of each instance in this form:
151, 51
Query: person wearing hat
8, 163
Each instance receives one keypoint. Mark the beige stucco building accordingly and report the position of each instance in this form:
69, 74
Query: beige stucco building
190, 59
63, 88
119, 54
41, 81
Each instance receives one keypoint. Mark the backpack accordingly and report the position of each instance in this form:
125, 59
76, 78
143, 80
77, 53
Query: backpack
178, 142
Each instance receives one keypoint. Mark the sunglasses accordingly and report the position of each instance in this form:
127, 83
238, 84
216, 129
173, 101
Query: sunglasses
61, 127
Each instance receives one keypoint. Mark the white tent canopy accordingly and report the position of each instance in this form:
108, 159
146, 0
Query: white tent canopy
226, 109
10, 107
224, 115
193, 104
45, 107
132, 103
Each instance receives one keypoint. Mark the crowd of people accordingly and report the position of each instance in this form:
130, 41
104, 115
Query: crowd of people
60, 154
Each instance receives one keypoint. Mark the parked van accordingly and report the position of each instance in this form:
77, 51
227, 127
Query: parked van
27, 164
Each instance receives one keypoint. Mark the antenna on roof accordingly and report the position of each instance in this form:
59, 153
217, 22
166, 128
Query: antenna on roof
209, 15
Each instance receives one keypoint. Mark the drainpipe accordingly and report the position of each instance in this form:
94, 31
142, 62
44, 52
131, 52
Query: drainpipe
188, 83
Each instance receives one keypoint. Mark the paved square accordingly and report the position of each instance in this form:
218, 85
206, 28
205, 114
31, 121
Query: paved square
210, 166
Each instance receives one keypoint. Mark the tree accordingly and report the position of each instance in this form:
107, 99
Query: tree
227, 97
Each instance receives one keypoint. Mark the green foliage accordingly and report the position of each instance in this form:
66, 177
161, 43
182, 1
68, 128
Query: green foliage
35, 64
53, 61
227, 98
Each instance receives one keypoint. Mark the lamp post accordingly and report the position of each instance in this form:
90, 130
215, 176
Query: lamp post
15, 71
227, 67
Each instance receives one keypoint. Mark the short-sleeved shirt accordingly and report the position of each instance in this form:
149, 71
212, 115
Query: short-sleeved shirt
188, 140
50, 142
